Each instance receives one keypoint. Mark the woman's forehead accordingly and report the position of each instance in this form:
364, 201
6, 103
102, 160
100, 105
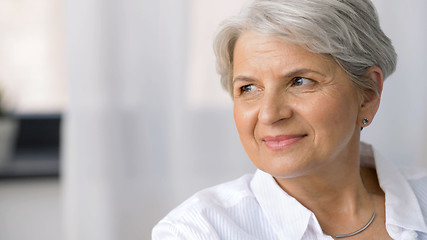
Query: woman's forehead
258, 51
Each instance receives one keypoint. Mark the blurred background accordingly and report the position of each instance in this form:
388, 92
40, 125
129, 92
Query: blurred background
112, 113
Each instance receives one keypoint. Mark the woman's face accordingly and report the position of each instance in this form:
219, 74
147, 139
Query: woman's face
295, 111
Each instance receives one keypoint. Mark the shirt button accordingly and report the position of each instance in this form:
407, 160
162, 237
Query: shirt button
394, 229
413, 234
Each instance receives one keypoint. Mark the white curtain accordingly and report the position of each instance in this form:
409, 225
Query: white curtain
139, 137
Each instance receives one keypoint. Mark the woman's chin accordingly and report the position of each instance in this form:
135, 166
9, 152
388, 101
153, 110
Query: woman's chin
284, 166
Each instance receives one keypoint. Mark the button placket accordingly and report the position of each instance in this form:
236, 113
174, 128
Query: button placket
395, 231
408, 235
413, 234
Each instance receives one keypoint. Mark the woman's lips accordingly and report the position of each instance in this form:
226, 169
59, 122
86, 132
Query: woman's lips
281, 142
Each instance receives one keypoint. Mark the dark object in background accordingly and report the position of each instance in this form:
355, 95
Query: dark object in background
37, 147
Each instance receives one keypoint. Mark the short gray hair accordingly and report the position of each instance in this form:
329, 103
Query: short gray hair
348, 30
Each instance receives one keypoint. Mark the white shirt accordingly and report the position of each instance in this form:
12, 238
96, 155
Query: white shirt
255, 207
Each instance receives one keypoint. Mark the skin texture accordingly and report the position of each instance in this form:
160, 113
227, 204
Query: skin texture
299, 117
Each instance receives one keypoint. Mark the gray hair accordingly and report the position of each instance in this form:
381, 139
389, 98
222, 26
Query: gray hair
347, 30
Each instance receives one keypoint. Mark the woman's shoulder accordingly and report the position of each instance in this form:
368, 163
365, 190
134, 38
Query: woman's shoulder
417, 179
416, 176
396, 177
223, 195
414, 173
198, 213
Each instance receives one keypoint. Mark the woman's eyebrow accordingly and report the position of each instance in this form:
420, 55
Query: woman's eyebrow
291, 74
243, 78
301, 72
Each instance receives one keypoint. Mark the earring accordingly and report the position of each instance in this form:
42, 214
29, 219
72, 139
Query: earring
365, 121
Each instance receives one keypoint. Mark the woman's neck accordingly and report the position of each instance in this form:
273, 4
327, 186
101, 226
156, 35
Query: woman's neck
334, 192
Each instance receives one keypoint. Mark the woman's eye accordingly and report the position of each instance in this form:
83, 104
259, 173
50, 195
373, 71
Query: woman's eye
247, 88
299, 81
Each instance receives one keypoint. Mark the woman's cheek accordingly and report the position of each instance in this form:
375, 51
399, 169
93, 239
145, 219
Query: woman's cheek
245, 116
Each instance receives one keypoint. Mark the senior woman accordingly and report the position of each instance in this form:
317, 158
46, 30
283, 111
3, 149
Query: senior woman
305, 77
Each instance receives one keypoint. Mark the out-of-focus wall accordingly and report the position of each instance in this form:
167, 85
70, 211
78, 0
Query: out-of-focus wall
30, 209
32, 63
399, 131
32, 81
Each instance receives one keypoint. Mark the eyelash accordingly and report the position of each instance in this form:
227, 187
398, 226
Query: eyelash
299, 78
242, 88
293, 83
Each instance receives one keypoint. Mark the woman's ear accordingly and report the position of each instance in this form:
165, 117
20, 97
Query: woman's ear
370, 100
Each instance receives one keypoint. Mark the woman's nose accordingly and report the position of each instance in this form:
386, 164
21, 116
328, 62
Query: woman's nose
274, 108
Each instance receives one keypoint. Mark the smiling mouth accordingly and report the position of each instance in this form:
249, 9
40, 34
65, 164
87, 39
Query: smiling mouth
281, 142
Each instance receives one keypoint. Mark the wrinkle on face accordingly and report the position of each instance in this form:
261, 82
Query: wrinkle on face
325, 111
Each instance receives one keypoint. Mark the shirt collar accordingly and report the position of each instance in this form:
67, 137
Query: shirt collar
288, 217
402, 207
